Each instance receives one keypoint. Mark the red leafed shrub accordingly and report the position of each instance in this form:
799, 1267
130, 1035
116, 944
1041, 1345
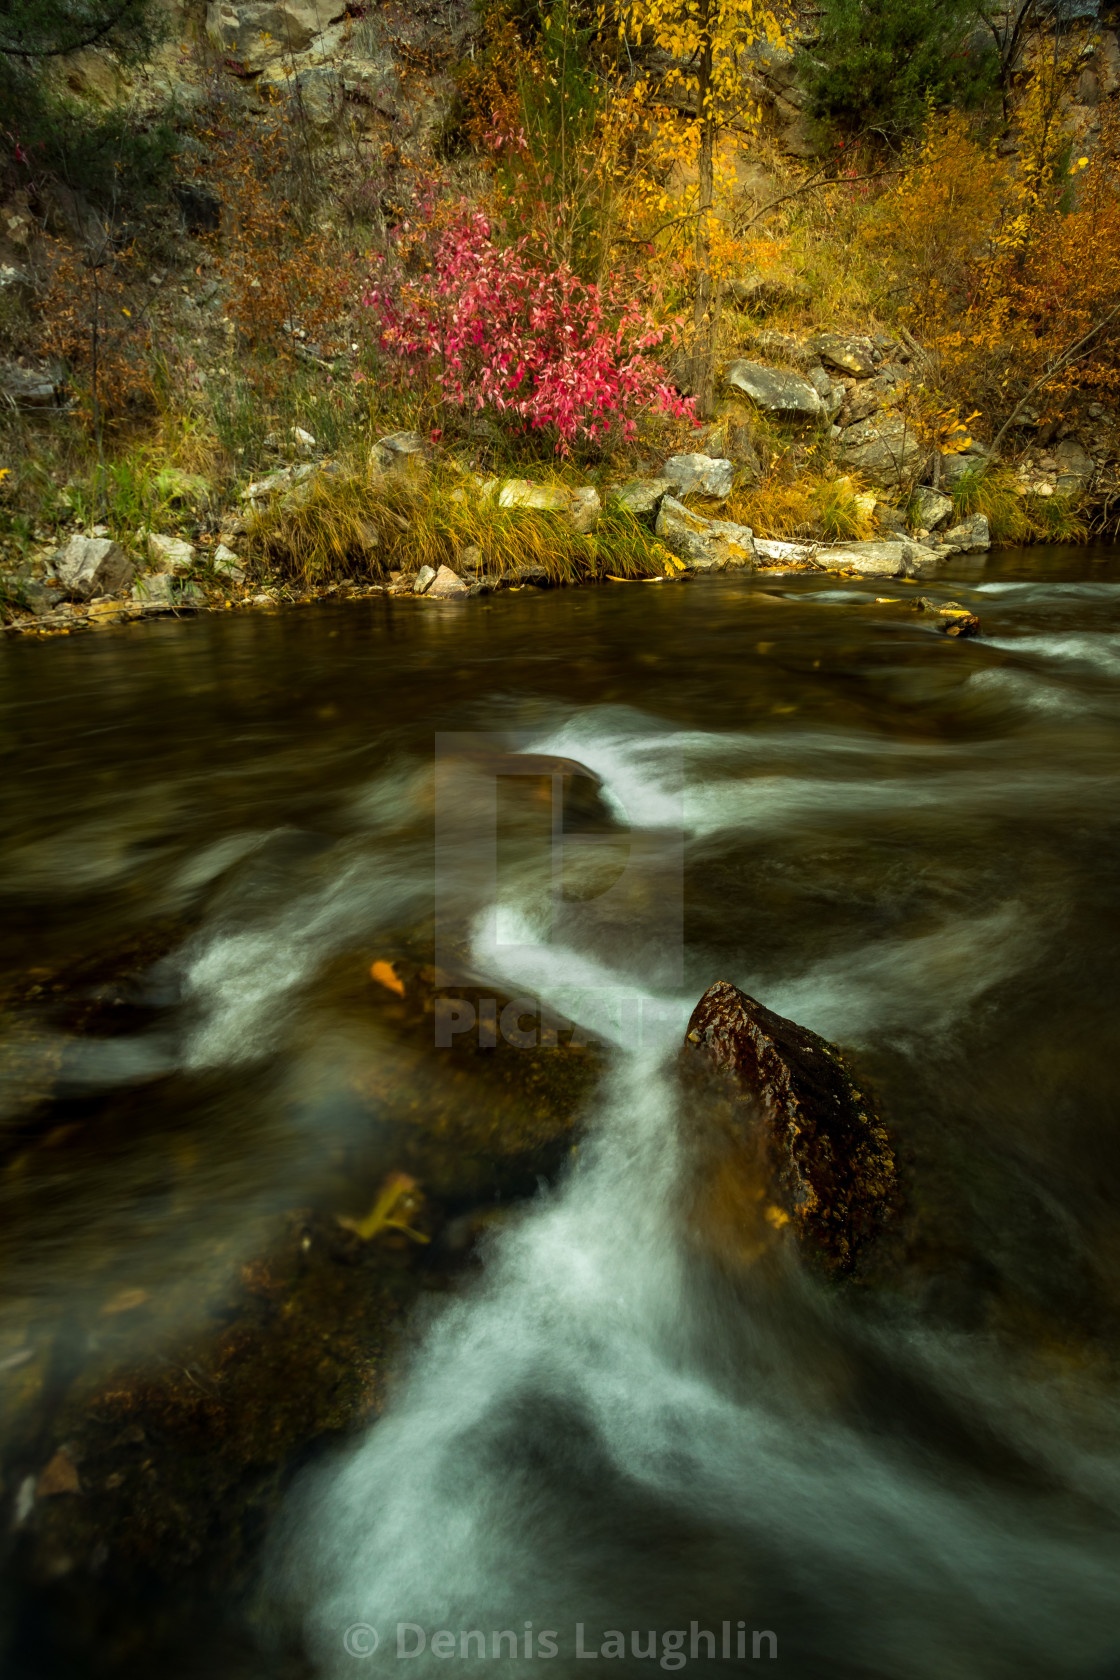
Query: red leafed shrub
534, 345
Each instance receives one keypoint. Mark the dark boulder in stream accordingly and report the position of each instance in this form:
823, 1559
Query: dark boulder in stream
798, 1135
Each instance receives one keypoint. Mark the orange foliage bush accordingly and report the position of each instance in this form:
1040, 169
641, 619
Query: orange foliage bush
282, 274
94, 320
1010, 266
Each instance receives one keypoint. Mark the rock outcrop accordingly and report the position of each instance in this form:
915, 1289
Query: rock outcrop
804, 1139
776, 391
705, 545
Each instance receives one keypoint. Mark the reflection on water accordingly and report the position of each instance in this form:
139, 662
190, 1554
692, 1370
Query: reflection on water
903, 841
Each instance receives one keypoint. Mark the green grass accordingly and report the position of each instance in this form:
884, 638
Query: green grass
349, 525
1013, 518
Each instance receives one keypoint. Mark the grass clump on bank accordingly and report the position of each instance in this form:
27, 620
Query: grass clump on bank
1014, 518
355, 525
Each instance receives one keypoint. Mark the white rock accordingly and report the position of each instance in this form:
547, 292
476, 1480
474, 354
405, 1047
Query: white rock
227, 564
425, 577
90, 566
585, 510
704, 475
446, 585
523, 493
170, 554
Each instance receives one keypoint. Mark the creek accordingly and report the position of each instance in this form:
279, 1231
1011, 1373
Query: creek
604, 1430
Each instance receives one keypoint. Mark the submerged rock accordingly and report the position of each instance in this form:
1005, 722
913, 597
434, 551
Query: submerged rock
795, 1112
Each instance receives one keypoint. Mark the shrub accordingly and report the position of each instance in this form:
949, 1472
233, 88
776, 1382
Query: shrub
879, 63
529, 344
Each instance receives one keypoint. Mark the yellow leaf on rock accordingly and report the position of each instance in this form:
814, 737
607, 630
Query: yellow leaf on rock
386, 975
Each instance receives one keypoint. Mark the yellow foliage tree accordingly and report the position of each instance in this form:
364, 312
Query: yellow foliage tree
711, 43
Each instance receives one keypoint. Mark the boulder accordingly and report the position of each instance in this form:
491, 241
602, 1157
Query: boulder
800, 1143
702, 475
446, 586
642, 496
584, 510
879, 559
1075, 467
258, 30
90, 566
163, 589
581, 506
707, 545
830, 391
227, 565
398, 451
170, 554
886, 451
763, 292
26, 387
425, 577
848, 354
931, 508
777, 391
968, 537
524, 493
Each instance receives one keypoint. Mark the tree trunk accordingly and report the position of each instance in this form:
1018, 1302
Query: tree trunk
704, 314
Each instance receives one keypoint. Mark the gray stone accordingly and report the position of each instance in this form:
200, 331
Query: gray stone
776, 391
28, 387
584, 511
879, 559
317, 94
170, 554
425, 577
446, 586
1075, 467
642, 496
849, 354
967, 537
931, 508
398, 450
703, 475
762, 292
163, 589
525, 493
90, 566
227, 565
257, 30
28, 593
885, 451
704, 544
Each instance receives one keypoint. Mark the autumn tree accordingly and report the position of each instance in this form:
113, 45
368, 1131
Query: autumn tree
711, 44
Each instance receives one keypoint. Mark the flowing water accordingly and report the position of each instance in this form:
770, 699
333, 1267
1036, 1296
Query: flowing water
608, 1441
